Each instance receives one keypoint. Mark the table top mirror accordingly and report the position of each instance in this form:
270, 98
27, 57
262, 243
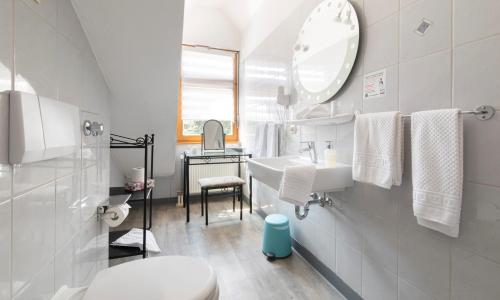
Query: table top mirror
213, 137
325, 51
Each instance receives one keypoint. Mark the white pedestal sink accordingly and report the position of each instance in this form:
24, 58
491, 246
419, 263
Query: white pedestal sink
328, 179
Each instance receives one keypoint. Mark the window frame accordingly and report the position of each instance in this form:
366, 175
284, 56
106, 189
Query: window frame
196, 139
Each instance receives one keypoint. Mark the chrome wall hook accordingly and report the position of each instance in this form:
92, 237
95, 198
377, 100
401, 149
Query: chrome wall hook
92, 128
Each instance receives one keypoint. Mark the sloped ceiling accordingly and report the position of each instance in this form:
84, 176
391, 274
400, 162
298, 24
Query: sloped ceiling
240, 12
138, 47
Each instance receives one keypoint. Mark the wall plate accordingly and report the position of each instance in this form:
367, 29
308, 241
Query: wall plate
423, 27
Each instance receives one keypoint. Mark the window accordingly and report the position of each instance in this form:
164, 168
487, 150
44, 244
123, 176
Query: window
208, 90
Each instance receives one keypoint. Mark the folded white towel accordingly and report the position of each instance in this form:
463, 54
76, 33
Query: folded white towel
297, 183
437, 167
378, 149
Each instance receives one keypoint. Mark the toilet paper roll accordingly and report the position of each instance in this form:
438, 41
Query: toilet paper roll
115, 215
137, 175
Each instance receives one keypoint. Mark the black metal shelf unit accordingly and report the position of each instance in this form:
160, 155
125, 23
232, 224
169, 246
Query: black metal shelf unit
146, 143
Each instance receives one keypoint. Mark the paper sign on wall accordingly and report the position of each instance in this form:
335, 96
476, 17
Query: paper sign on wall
374, 85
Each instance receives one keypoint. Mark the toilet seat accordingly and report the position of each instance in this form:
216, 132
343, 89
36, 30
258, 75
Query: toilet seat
158, 278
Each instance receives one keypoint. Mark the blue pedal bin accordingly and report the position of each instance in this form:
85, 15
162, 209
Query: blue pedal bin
277, 242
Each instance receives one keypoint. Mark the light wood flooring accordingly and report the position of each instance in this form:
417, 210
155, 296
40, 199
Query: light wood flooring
233, 248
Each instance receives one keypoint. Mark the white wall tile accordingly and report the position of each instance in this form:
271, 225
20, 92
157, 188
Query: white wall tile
46, 9
69, 164
66, 265
382, 44
425, 83
378, 283
403, 3
345, 136
69, 25
36, 53
475, 74
102, 246
87, 251
381, 203
481, 151
5, 182
480, 226
67, 209
32, 175
376, 10
424, 261
438, 36
380, 242
349, 98
90, 197
348, 227
474, 20
5, 242
349, 265
42, 286
69, 72
33, 233
5, 44
473, 277
407, 291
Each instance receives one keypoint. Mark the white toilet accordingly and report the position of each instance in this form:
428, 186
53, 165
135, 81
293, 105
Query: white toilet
158, 278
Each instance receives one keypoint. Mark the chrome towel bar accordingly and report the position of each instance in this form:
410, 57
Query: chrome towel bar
483, 112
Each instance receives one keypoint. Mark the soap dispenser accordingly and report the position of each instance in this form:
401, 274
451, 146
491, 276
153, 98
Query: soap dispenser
330, 154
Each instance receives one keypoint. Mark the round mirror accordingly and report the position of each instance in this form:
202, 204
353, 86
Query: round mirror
325, 51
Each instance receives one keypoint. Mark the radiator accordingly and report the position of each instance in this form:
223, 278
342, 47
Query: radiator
201, 171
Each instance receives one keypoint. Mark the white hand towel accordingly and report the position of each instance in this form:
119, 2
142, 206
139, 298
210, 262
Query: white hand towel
297, 183
273, 139
260, 146
437, 167
378, 149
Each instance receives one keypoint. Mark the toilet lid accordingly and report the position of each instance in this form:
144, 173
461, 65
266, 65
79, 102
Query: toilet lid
158, 278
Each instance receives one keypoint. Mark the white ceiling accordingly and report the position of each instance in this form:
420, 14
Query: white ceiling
240, 12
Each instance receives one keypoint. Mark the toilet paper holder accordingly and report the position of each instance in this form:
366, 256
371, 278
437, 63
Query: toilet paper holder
102, 212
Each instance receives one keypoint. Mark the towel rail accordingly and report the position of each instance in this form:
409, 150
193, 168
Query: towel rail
483, 112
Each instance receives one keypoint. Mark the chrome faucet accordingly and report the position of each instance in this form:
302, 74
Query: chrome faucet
311, 148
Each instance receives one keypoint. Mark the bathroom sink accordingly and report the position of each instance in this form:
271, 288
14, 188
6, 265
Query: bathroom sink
328, 179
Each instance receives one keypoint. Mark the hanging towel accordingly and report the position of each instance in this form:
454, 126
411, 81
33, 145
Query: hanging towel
273, 139
437, 167
297, 183
378, 149
260, 146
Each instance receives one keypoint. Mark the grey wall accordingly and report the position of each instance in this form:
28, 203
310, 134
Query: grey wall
374, 243
49, 234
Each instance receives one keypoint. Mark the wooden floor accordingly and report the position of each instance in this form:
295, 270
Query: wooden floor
233, 248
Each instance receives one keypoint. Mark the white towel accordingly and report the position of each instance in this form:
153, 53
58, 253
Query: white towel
260, 146
378, 149
297, 183
273, 139
437, 167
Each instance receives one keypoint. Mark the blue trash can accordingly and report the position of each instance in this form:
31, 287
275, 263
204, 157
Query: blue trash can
277, 242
